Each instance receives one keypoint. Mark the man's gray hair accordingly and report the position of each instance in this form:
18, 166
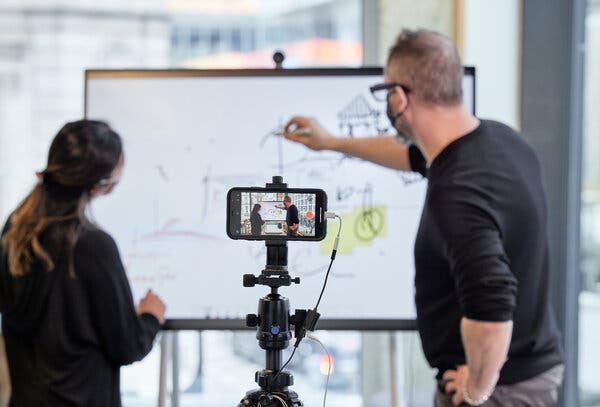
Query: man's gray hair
430, 65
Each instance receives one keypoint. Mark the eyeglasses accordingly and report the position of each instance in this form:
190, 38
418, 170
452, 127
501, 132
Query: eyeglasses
381, 91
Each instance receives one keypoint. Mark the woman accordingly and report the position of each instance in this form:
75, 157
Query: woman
68, 316
256, 221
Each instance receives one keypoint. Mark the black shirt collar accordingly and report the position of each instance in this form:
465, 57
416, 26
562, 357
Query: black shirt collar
449, 150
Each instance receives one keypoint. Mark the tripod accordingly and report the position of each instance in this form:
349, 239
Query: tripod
273, 331
273, 327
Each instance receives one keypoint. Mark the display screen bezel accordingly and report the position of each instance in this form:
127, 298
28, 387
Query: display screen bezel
234, 213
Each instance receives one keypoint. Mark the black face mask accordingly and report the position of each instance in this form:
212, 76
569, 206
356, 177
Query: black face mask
391, 116
401, 136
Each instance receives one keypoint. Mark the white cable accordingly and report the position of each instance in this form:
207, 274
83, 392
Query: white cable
282, 401
310, 335
332, 215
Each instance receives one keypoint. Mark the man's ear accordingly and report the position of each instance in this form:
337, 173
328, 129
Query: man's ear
402, 100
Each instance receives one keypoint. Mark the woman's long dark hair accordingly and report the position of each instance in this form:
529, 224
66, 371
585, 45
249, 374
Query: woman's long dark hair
82, 154
256, 208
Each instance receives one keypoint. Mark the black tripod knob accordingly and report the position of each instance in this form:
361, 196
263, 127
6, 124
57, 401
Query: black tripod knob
252, 320
250, 280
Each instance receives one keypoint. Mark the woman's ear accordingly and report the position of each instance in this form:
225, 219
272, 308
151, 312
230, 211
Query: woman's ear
95, 191
98, 190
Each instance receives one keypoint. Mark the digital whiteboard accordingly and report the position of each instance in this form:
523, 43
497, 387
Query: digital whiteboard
191, 135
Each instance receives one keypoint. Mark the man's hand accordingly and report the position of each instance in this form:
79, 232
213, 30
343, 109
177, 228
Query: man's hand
319, 138
153, 305
382, 150
456, 380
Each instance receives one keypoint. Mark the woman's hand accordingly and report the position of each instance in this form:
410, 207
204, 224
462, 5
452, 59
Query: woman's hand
153, 305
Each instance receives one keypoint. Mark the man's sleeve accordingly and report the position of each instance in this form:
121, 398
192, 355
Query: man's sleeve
417, 160
295, 219
485, 285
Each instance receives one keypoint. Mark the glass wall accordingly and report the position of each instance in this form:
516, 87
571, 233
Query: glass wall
589, 298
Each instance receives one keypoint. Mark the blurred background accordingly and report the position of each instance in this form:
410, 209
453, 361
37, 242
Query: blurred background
45, 46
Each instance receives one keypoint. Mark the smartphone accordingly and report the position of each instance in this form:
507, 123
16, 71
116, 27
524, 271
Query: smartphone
276, 214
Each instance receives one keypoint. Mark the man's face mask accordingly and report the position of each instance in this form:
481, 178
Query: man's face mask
404, 135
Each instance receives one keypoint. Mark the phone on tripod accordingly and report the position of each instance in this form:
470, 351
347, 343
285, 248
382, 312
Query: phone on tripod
276, 214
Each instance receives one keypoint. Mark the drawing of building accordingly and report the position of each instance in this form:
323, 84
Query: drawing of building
359, 118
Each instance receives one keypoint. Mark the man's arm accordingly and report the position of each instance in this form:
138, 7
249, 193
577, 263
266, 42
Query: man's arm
382, 150
486, 347
485, 286
294, 217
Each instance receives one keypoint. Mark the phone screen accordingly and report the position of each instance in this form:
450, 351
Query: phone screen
264, 214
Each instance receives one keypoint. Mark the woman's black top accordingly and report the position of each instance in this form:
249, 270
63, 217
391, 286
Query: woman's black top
256, 223
67, 336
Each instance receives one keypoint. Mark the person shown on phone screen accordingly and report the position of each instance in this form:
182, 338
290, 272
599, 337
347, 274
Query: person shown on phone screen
291, 220
256, 221
68, 316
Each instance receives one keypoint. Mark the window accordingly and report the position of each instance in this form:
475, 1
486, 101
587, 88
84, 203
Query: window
589, 298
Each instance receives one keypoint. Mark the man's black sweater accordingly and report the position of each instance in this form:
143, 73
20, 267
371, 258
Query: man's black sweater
292, 216
481, 251
67, 336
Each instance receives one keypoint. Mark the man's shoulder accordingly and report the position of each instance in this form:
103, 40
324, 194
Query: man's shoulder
496, 126
492, 141
501, 132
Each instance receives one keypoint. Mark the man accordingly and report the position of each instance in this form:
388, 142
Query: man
291, 218
481, 252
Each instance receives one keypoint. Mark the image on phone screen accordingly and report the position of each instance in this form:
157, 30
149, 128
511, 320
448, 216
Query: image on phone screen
271, 214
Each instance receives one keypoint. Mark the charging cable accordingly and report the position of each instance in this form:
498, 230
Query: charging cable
312, 316
330, 215
311, 336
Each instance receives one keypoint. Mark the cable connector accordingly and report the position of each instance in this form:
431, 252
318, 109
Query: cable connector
333, 215
312, 317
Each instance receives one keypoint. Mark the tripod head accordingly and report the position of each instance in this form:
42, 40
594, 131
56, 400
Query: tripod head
275, 274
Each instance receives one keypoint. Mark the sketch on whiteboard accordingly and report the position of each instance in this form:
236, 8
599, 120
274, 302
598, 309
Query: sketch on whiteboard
162, 172
359, 118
